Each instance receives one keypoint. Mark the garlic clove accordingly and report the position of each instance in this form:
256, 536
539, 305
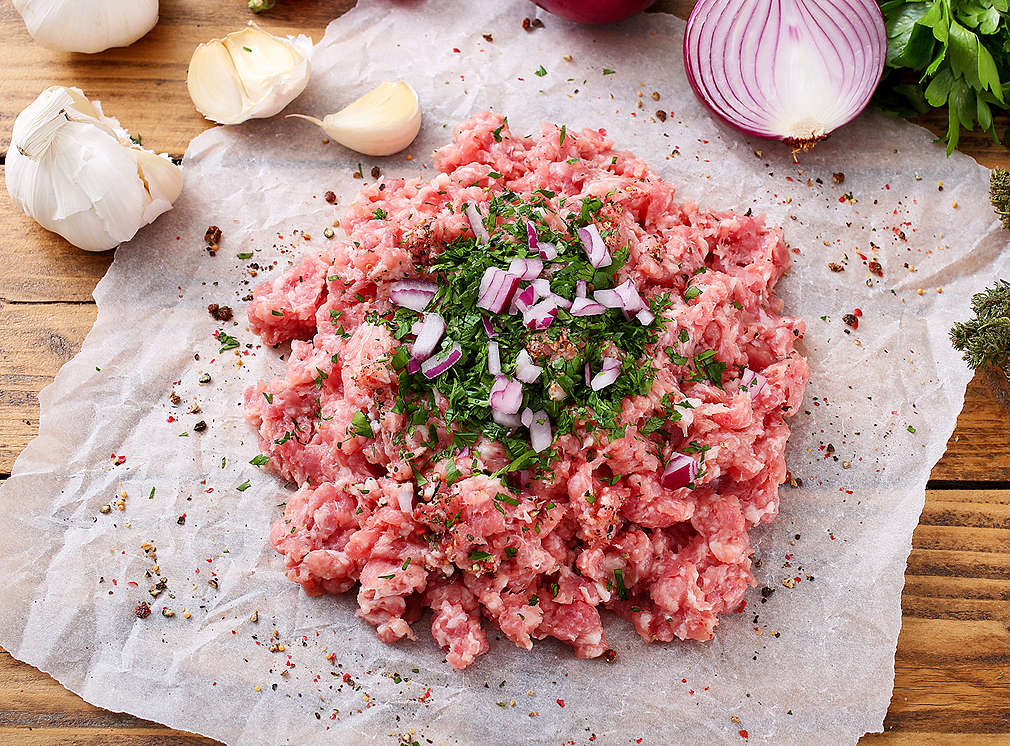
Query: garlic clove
249, 74
87, 25
75, 171
382, 122
162, 179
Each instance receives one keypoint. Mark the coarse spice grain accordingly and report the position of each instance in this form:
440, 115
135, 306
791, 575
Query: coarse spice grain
400, 505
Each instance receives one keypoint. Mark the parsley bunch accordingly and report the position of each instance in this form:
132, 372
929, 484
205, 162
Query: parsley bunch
953, 53
562, 349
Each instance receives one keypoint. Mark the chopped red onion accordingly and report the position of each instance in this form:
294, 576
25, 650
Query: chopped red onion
586, 307
489, 329
541, 435
631, 301
580, 289
527, 417
541, 315
505, 420
593, 244
752, 382
526, 298
476, 223
405, 496
523, 476
548, 251
506, 395
560, 301
493, 358
588, 373
430, 334
497, 288
528, 268
680, 471
542, 287
531, 236
435, 366
413, 366
608, 298
609, 372
413, 294
645, 317
526, 371
415, 328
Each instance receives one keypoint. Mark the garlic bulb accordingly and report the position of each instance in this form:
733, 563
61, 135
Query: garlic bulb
77, 173
249, 74
381, 122
87, 25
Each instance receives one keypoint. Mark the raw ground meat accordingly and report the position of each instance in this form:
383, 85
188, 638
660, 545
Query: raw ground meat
604, 527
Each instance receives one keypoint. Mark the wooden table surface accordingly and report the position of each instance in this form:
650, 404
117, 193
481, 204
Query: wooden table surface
952, 678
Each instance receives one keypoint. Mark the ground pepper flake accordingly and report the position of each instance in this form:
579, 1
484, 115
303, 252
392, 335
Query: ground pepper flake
851, 320
143, 610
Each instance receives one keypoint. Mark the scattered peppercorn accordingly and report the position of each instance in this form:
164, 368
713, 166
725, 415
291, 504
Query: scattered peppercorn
175, 399
661, 115
375, 172
205, 378
876, 268
488, 38
220, 313
835, 267
143, 610
851, 320
200, 426
838, 177
181, 520
330, 197
213, 239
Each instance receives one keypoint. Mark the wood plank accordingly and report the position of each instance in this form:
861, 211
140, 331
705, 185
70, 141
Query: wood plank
953, 660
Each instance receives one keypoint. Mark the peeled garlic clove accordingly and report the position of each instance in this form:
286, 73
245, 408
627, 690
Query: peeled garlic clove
381, 122
75, 171
87, 25
249, 74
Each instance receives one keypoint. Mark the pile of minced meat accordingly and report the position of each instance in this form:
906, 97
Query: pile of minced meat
520, 444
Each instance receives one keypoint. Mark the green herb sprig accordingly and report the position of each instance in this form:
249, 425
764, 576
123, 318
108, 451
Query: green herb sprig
985, 339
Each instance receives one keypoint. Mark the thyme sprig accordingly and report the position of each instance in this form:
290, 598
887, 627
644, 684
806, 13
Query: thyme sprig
985, 339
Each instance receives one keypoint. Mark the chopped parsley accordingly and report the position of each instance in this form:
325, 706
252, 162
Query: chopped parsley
608, 71
622, 592
259, 459
227, 342
244, 486
540, 71
361, 425
245, 255
479, 556
379, 214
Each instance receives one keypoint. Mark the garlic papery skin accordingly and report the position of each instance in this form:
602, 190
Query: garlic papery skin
382, 122
87, 25
77, 173
249, 74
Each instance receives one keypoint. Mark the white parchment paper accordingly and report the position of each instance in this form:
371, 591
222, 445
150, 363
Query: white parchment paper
812, 663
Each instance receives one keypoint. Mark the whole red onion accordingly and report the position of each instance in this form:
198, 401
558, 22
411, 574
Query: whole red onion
594, 11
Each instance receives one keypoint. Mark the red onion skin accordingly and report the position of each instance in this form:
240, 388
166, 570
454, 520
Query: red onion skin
594, 11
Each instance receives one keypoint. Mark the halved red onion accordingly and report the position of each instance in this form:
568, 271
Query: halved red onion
631, 301
580, 289
609, 372
752, 382
506, 395
505, 420
413, 294
476, 223
497, 288
541, 435
405, 496
493, 358
428, 336
587, 307
541, 315
489, 329
531, 236
609, 298
526, 268
680, 471
789, 71
548, 251
645, 317
526, 417
526, 371
526, 298
435, 366
593, 244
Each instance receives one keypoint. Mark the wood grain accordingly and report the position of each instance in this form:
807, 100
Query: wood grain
952, 680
